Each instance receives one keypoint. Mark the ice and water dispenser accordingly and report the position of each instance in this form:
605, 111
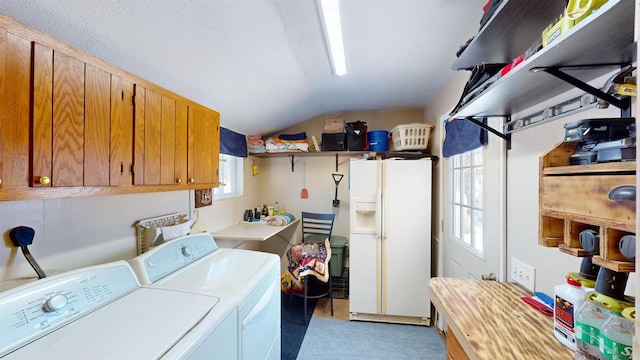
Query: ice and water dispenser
363, 216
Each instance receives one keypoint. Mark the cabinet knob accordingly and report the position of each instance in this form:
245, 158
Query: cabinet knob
0, 181
179, 180
45, 180
192, 180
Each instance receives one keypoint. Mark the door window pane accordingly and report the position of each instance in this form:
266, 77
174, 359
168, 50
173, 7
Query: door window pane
466, 200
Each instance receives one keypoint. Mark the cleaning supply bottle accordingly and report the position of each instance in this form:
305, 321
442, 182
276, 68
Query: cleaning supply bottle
276, 209
589, 320
616, 337
568, 299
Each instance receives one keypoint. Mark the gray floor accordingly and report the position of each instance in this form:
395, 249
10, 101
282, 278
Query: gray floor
343, 339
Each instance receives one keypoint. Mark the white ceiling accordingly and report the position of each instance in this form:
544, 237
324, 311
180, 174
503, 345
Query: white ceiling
263, 63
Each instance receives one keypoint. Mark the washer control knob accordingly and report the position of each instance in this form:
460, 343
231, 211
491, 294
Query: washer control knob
186, 251
55, 303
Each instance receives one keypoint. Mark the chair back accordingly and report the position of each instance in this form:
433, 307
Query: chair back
316, 227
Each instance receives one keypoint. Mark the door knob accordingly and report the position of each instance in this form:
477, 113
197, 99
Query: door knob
490, 277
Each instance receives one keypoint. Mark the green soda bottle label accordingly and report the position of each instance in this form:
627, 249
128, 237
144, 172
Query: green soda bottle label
614, 350
587, 334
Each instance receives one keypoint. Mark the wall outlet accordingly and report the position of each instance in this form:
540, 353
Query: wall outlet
523, 274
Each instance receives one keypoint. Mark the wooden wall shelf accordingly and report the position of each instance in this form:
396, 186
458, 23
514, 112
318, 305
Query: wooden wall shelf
575, 198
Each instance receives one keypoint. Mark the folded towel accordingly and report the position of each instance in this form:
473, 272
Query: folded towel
255, 140
298, 136
279, 220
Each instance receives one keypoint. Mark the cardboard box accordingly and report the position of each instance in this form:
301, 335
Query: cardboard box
333, 126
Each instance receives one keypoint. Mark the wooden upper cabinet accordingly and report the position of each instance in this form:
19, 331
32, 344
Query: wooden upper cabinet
71, 121
160, 138
203, 146
15, 95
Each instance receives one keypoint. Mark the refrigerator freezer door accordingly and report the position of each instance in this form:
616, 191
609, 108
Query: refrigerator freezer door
364, 269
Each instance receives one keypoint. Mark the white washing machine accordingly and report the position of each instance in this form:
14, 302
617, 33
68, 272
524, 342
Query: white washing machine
251, 279
102, 312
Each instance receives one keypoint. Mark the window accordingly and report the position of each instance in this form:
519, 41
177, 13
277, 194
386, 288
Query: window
231, 177
467, 201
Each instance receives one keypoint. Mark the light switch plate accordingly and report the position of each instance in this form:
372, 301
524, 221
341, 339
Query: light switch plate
523, 274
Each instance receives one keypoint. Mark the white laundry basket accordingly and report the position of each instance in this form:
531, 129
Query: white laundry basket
411, 136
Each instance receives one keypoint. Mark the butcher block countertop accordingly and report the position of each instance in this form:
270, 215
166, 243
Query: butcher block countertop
490, 321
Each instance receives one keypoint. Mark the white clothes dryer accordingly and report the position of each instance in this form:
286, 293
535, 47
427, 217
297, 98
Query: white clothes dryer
102, 312
251, 279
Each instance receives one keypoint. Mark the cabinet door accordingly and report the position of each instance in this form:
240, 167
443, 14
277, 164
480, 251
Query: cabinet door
15, 71
71, 121
182, 119
97, 127
160, 138
121, 161
147, 135
203, 146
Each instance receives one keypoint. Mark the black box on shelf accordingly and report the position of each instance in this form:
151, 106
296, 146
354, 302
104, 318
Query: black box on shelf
333, 142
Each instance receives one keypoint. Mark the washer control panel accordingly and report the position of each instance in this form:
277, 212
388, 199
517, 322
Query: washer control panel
32, 310
171, 256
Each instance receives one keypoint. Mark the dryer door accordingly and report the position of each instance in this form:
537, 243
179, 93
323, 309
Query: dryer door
259, 334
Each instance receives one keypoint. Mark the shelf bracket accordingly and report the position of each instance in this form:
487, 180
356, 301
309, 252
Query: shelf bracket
505, 137
623, 104
291, 158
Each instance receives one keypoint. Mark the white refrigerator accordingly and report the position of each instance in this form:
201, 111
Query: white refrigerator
390, 240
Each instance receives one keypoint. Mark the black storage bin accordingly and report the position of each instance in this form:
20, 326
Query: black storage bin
332, 142
356, 135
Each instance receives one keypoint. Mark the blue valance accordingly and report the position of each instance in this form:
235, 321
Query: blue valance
461, 136
233, 143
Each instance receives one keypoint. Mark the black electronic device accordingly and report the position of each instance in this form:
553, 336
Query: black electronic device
605, 129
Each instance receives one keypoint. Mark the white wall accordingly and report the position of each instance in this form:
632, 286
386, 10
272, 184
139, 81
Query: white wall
77, 232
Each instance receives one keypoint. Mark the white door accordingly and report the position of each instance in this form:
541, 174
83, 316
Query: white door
472, 234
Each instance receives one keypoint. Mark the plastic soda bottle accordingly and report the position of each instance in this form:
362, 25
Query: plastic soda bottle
616, 337
589, 320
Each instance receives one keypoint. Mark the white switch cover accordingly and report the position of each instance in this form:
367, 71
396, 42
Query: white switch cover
523, 274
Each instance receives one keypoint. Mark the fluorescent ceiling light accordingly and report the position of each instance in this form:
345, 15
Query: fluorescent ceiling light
333, 30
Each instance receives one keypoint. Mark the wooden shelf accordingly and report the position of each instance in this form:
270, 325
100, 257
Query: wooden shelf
605, 37
310, 153
384, 154
627, 167
575, 198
